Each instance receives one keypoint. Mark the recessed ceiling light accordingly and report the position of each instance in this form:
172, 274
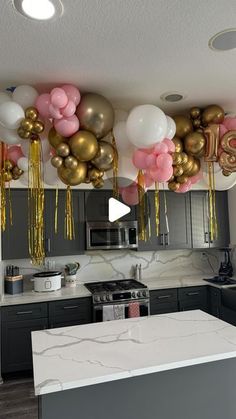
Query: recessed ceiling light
39, 9
172, 97
224, 40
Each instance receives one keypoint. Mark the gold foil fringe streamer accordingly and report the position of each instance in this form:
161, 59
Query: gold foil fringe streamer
69, 227
2, 185
212, 203
166, 211
56, 212
142, 207
157, 208
35, 204
115, 169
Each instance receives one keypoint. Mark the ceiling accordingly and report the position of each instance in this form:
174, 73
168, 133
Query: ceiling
128, 50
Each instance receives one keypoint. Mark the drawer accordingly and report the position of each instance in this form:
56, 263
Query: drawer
163, 296
24, 312
79, 309
163, 308
192, 293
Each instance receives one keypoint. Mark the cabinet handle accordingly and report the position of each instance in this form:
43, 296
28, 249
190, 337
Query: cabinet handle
206, 239
69, 307
210, 239
24, 312
48, 245
166, 239
162, 239
164, 296
190, 294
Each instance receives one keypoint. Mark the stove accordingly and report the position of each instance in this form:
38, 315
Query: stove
221, 280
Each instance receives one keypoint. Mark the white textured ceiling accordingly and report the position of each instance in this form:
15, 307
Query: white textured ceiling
129, 50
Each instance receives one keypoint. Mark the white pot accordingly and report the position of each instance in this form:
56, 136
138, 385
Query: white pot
47, 281
70, 281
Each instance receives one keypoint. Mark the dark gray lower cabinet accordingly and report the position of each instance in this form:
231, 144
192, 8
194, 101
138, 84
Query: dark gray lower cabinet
70, 312
193, 298
214, 301
163, 301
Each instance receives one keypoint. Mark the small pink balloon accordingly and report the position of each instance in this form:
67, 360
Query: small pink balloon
148, 180
170, 145
55, 112
42, 104
160, 148
67, 126
196, 178
69, 109
161, 175
59, 97
14, 153
72, 93
185, 187
147, 150
223, 130
139, 159
230, 123
164, 161
130, 195
150, 160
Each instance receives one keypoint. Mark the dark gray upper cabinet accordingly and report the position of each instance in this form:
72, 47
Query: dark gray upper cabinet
55, 243
96, 206
201, 234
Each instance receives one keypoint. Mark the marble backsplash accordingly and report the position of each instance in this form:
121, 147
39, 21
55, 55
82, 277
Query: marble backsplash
106, 265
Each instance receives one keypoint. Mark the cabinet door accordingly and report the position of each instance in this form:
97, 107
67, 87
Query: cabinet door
70, 312
97, 203
193, 298
222, 215
199, 219
57, 244
178, 212
163, 301
155, 242
16, 343
15, 238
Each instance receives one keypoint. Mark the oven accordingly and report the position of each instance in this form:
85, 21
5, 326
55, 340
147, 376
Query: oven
144, 307
107, 235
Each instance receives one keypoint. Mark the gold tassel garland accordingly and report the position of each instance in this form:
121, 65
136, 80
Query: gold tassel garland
157, 208
142, 207
69, 228
115, 170
56, 212
213, 228
35, 204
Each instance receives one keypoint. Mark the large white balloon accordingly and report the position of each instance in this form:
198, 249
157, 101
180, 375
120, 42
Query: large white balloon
171, 128
9, 136
23, 163
50, 174
25, 96
124, 146
146, 125
4, 97
11, 114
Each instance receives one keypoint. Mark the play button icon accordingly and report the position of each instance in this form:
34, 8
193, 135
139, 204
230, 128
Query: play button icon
117, 209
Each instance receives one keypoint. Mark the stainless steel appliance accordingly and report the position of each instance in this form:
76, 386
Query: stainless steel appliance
118, 292
222, 280
117, 235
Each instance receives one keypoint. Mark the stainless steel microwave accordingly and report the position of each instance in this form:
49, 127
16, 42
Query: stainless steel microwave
117, 235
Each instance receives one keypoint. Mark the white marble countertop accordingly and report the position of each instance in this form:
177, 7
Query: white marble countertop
78, 356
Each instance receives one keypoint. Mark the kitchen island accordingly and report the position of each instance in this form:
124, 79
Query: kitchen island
173, 366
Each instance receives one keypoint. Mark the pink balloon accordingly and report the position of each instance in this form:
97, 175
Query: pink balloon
14, 153
185, 187
42, 104
196, 178
161, 175
72, 93
230, 123
164, 161
55, 112
69, 109
148, 180
160, 148
67, 126
170, 145
59, 97
223, 130
139, 159
130, 195
147, 150
150, 160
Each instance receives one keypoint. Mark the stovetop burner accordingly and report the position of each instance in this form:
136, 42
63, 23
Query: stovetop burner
113, 286
221, 280
117, 291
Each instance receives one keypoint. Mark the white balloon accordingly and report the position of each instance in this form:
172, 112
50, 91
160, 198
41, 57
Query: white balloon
124, 146
222, 182
25, 96
11, 115
4, 97
146, 125
120, 115
22, 163
9, 136
50, 174
127, 172
171, 128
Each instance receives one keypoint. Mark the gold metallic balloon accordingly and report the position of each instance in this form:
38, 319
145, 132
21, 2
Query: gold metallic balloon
194, 144
196, 123
15, 177
25, 135
71, 162
55, 138
176, 159
182, 179
213, 114
7, 176
187, 167
196, 168
172, 178
84, 145
31, 113
38, 127
63, 150
98, 183
184, 158
26, 124
227, 162
73, 177
57, 161
178, 144
95, 173
178, 170
173, 186
87, 180
183, 125
226, 173
105, 156
195, 112
95, 114
16, 171
8, 165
